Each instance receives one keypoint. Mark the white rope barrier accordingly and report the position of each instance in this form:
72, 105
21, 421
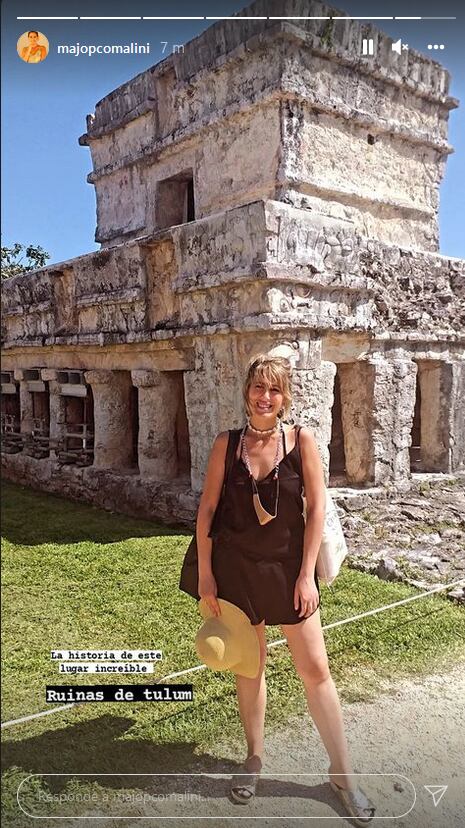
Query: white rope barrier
189, 670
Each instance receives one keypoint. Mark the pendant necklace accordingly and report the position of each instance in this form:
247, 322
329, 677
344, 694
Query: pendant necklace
262, 514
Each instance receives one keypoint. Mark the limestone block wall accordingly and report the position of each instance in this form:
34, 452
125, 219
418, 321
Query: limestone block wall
360, 174
312, 404
66, 302
177, 315
237, 160
161, 264
259, 266
284, 266
113, 194
359, 147
377, 389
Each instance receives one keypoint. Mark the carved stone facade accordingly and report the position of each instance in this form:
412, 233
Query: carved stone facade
266, 186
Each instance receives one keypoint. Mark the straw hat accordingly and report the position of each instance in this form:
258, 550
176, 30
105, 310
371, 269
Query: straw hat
228, 641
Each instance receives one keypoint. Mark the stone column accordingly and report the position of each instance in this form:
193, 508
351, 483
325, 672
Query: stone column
457, 408
202, 416
159, 399
442, 389
25, 403
57, 409
392, 417
356, 408
313, 398
112, 443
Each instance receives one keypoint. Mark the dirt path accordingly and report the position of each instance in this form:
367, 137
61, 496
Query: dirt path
415, 732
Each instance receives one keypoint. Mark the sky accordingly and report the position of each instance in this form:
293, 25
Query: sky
46, 199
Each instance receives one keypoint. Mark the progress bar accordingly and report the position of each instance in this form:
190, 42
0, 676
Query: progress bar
307, 17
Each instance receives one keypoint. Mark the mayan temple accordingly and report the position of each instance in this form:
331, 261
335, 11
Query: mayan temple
269, 184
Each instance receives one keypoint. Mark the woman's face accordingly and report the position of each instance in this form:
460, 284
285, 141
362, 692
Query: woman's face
33, 38
265, 400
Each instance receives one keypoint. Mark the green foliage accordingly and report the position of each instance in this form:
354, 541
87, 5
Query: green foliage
13, 262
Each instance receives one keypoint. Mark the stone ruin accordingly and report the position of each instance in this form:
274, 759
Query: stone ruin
268, 184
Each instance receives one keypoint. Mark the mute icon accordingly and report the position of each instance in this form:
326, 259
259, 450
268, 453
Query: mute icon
397, 46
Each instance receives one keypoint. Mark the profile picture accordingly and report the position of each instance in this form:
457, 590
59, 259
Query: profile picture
32, 47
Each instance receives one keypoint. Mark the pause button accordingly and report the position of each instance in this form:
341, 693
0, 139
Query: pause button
368, 47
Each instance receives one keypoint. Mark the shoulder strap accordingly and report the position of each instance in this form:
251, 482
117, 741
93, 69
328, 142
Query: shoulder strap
297, 443
233, 440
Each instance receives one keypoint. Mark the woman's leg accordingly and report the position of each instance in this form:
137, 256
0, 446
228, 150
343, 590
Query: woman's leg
251, 695
307, 646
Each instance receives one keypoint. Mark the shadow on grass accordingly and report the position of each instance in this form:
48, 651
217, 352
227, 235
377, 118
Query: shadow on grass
31, 518
98, 746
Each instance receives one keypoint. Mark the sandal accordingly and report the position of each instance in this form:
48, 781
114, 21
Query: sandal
244, 785
360, 808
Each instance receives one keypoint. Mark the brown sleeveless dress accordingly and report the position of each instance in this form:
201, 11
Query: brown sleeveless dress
255, 566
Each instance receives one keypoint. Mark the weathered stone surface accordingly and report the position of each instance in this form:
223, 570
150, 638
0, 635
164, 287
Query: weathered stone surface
315, 102
457, 594
313, 399
378, 543
393, 405
387, 570
159, 397
113, 447
283, 265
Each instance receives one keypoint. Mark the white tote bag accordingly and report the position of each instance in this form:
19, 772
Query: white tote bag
333, 547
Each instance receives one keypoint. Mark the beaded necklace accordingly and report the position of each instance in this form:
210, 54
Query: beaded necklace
261, 431
262, 514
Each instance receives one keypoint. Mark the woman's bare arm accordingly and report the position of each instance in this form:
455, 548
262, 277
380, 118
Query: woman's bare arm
213, 484
315, 493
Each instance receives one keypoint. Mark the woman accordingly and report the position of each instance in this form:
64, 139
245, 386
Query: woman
34, 52
264, 562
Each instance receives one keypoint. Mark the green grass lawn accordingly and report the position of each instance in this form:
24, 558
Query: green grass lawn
77, 577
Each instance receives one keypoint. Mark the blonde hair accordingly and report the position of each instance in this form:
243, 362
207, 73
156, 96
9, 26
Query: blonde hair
274, 370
